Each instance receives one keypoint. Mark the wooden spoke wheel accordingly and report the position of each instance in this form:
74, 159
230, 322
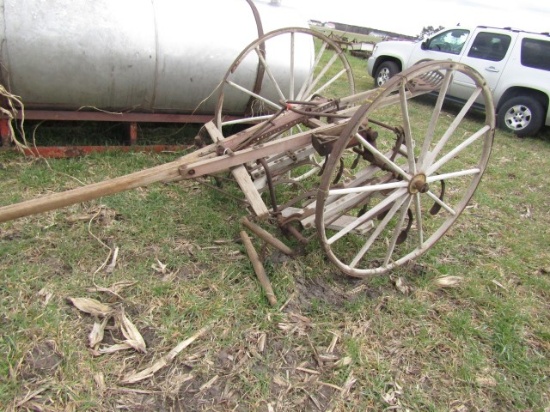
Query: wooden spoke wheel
285, 65
403, 170
281, 69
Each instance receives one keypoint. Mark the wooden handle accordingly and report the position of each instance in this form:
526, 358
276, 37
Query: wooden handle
163, 173
258, 268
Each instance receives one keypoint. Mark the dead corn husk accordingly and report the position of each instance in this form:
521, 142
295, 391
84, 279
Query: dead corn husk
131, 333
164, 361
448, 281
115, 348
91, 306
96, 335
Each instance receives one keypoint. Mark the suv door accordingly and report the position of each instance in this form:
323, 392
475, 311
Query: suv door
487, 53
446, 45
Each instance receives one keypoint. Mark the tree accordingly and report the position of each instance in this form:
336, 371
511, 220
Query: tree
429, 30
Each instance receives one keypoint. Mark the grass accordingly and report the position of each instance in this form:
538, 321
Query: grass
338, 343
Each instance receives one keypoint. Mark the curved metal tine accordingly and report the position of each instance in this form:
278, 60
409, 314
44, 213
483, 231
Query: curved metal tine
381, 226
367, 216
396, 232
270, 74
450, 155
435, 116
312, 72
409, 143
428, 160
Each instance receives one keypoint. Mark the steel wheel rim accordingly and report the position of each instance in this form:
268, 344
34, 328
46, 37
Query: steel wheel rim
518, 117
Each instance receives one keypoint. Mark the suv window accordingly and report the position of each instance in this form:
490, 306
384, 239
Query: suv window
448, 42
490, 46
535, 54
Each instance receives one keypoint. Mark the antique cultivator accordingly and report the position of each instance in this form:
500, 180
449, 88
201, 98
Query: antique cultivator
377, 176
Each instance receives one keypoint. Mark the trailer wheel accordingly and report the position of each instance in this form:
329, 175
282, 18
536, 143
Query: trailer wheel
407, 177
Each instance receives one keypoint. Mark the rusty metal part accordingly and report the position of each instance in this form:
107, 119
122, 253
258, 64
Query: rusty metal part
260, 69
132, 119
270, 186
405, 232
296, 233
436, 206
418, 184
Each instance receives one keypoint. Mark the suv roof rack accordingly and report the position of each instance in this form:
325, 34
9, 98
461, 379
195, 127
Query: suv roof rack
515, 30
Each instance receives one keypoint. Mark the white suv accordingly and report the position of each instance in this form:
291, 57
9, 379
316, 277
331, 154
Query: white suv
515, 64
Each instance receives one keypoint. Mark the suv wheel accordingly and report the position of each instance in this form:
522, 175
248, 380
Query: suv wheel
522, 115
384, 72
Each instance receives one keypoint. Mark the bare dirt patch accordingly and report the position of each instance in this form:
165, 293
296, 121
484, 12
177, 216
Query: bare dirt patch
42, 360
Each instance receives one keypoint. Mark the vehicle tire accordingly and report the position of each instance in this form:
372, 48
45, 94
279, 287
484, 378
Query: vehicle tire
522, 115
385, 72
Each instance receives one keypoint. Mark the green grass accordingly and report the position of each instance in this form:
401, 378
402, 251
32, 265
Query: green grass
483, 345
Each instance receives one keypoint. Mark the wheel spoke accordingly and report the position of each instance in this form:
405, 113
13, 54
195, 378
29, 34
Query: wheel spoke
430, 156
308, 93
418, 209
292, 79
270, 74
407, 128
381, 157
255, 95
325, 84
367, 189
441, 203
479, 134
435, 116
309, 79
248, 120
381, 226
451, 175
397, 231
367, 216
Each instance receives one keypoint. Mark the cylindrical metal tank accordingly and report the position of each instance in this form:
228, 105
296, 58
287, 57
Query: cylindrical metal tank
130, 55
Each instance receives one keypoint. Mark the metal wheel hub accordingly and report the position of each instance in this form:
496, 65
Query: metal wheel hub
418, 184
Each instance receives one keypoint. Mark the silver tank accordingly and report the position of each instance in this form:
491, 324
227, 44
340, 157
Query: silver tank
138, 55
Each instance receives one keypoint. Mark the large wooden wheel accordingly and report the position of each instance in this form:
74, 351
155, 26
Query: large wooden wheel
278, 70
397, 178
285, 65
